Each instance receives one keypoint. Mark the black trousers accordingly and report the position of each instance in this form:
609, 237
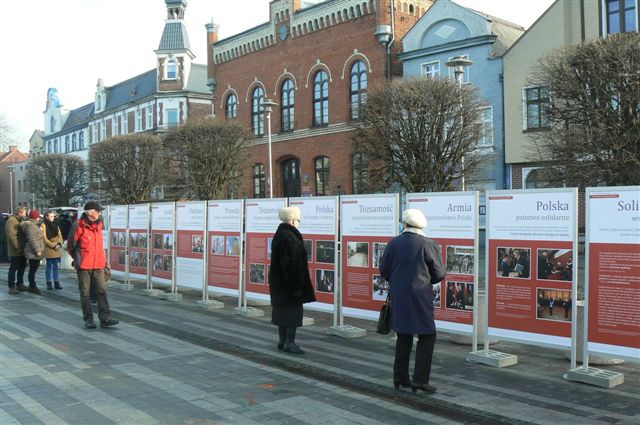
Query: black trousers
33, 268
16, 267
424, 354
87, 278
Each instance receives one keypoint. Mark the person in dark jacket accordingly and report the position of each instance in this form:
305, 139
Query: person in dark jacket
412, 263
289, 280
15, 245
33, 247
85, 245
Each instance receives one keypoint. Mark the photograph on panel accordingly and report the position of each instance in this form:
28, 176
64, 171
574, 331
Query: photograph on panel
122, 257
380, 288
142, 259
157, 262
133, 240
256, 273
197, 243
114, 239
325, 280
325, 252
217, 245
142, 240
358, 254
460, 260
555, 264
168, 263
122, 239
459, 296
168, 241
158, 240
378, 252
514, 262
554, 304
436, 294
233, 245
134, 258
308, 248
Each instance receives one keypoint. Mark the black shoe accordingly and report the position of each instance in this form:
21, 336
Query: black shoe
280, 346
94, 301
89, 324
34, 290
57, 285
429, 389
292, 348
13, 290
404, 384
22, 288
109, 322
50, 286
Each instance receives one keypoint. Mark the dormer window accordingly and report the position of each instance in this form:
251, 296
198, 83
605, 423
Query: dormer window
172, 69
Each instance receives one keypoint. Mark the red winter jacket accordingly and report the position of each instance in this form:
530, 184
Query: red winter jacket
85, 244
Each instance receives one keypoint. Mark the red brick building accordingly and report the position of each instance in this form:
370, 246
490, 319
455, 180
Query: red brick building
7, 178
316, 60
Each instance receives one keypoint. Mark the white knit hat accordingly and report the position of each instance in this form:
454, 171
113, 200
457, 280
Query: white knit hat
414, 218
289, 213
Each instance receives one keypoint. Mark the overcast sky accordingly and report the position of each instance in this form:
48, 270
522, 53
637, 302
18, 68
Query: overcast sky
69, 44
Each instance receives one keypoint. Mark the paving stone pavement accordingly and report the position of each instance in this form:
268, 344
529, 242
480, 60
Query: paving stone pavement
177, 363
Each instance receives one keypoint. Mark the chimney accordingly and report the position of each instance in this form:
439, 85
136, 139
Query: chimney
212, 37
13, 148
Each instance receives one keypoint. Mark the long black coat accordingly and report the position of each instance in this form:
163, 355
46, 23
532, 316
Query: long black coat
412, 264
289, 279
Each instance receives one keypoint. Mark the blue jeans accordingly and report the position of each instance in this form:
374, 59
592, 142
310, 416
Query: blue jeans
53, 264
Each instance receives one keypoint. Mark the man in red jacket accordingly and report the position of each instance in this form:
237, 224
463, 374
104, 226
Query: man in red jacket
85, 244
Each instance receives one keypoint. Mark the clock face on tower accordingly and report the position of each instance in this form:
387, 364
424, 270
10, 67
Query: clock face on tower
283, 31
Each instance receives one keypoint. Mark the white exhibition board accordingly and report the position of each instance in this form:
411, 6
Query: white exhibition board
190, 235
452, 221
139, 241
261, 224
319, 228
225, 246
612, 271
367, 224
118, 222
162, 242
531, 265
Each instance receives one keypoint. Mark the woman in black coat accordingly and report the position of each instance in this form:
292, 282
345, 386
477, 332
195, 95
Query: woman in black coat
412, 263
289, 280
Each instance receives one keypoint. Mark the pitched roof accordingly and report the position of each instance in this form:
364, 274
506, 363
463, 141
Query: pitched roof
19, 156
133, 89
174, 37
198, 79
78, 117
507, 33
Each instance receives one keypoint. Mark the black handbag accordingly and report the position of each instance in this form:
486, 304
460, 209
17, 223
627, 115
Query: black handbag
384, 321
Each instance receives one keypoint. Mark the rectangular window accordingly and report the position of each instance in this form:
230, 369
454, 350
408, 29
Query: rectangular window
103, 130
67, 146
94, 133
620, 16
465, 79
125, 123
486, 127
172, 117
536, 102
149, 117
114, 126
81, 140
138, 120
431, 69
74, 142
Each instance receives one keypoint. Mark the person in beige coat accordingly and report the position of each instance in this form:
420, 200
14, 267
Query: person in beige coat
52, 249
33, 248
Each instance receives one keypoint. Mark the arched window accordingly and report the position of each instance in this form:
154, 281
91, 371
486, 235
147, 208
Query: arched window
287, 102
232, 107
360, 167
321, 99
258, 181
52, 125
322, 176
257, 111
172, 69
291, 177
358, 88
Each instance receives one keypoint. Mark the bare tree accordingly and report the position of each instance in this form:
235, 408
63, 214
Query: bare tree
57, 179
126, 167
6, 134
420, 134
208, 156
593, 134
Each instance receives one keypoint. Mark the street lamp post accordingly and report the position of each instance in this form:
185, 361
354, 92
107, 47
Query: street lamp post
11, 189
459, 63
268, 105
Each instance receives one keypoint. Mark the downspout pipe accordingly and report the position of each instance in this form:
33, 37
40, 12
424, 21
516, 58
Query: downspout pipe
392, 38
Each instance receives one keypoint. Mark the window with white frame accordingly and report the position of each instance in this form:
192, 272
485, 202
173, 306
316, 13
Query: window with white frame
619, 16
125, 123
81, 140
485, 122
103, 130
74, 142
67, 146
172, 69
114, 126
138, 120
149, 117
94, 133
172, 117
465, 78
431, 69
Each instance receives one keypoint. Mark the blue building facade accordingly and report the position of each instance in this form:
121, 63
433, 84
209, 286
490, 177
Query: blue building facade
447, 30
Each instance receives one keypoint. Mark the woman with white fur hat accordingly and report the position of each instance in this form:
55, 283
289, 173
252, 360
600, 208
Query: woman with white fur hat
289, 280
411, 264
